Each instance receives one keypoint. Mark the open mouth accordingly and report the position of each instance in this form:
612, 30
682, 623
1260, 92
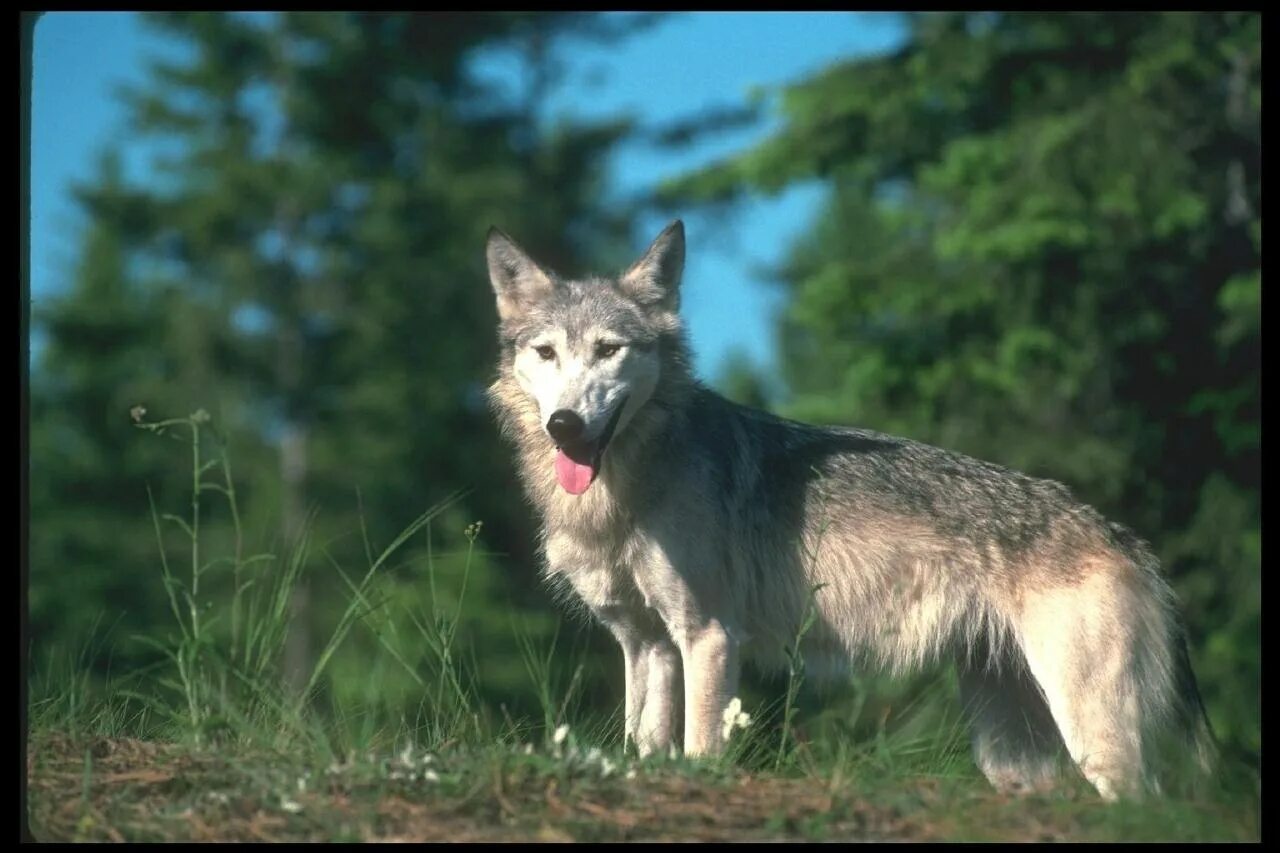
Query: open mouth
578, 464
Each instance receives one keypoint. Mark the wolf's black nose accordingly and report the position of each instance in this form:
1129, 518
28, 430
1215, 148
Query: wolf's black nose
565, 426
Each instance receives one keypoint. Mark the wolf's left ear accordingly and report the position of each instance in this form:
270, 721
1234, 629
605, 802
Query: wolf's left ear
654, 280
517, 280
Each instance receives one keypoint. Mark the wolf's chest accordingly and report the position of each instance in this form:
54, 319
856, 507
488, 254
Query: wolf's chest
610, 572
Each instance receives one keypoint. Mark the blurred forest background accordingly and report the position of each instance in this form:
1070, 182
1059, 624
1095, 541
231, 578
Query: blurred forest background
1039, 244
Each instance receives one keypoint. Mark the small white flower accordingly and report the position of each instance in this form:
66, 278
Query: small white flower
406, 755
302, 785
290, 806
593, 755
607, 767
734, 718
430, 776
631, 773
560, 735
528, 749
219, 797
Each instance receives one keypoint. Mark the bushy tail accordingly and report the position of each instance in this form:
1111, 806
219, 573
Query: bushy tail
1194, 721
1177, 736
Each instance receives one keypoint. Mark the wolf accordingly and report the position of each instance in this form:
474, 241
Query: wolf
702, 533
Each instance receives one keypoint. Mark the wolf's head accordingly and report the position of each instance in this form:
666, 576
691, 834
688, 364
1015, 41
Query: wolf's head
587, 353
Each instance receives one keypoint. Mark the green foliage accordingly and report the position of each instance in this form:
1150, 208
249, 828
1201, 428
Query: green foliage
1041, 247
306, 266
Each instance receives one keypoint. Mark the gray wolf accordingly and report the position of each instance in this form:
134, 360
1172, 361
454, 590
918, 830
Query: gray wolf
699, 532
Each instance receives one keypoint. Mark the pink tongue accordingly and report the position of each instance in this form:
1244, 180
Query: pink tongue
574, 477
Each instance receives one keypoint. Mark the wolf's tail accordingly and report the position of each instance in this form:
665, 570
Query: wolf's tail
1194, 721
1174, 707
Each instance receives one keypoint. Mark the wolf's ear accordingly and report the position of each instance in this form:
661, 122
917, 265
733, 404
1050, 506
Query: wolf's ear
517, 281
654, 280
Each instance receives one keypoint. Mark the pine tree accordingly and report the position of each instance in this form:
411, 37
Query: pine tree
309, 264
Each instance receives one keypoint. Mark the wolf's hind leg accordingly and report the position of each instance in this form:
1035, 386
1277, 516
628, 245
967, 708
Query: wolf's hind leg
1095, 648
1015, 742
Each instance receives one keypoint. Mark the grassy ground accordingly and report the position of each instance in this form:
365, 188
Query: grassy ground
122, 789
210, 745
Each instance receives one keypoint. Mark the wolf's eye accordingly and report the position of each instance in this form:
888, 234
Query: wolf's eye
607, 350
545, 352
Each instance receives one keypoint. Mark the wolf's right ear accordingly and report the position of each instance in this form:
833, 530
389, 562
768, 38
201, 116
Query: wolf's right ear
517, 281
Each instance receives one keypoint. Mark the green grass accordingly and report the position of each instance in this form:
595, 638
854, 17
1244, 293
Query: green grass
212, 744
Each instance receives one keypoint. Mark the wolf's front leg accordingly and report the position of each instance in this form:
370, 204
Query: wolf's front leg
652, 678
653, 675
711, 668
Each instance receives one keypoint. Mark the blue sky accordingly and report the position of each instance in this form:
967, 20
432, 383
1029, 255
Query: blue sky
687, 63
